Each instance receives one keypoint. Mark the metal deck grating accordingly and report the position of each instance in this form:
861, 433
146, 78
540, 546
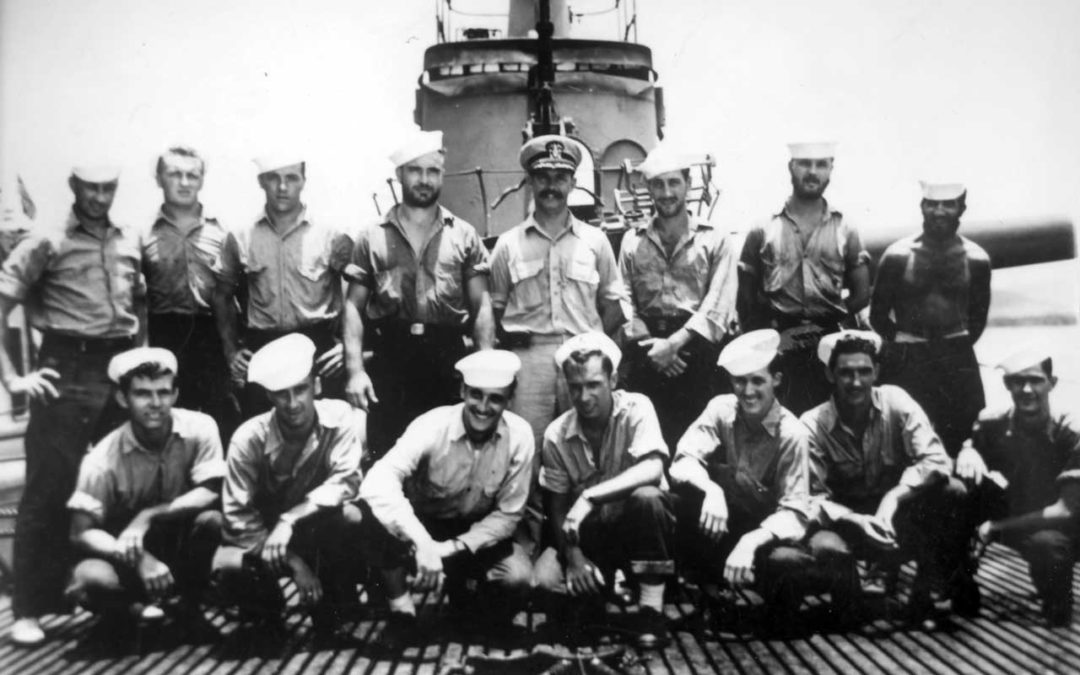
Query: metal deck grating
1007, 638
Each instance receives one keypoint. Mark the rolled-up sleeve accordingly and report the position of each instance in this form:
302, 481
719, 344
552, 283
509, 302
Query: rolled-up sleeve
24, 266
245, 527
750, 257
554, 475
209, 462
93, 489
921, 445
855, 254
383, 487
612, 288
792, 484
227, 269
477, 261
510, 500
341, 253
702, 437
344, 457
717, 315
500, 273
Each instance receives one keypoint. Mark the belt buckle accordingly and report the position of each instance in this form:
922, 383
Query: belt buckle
416, 329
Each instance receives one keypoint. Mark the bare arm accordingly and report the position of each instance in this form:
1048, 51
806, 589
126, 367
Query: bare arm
884, 297
857, 280
39, 384
979, 307
484, 314
359, 390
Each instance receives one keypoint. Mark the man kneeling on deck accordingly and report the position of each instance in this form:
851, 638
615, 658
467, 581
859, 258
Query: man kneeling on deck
1024, 465
881, 476
447, 497
292, 473
742, 477
605, 496
141, 511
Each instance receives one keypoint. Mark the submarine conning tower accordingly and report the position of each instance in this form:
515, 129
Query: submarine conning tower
484, 80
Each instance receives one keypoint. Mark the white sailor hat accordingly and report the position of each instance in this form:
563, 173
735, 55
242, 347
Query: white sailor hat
277, 160
828, 343
592, 341
125, 362
817, 150
283, 363
750, 352
489, 368
550, 152
940, 192
663, 160
96, 173
1023, 359
416, 144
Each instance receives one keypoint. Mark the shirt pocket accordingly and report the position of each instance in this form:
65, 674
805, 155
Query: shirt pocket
315, 266
527, 283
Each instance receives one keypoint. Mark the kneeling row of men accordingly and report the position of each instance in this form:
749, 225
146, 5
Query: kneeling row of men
761, 498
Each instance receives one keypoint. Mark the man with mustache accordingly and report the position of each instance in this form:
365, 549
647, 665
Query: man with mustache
83, 290
292, 265
447, 498
180, 251
794, 269
421, 277
1023, 464
931, 298
292, 474
680, 275
143, 513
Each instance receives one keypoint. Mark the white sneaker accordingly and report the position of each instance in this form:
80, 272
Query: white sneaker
27, 632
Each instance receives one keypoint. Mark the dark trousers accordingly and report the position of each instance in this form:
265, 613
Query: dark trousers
186, 545
203, 379
411, 375
635, 534
253, 400
678, 400
805, 384
328, 542
943, 377
57, 436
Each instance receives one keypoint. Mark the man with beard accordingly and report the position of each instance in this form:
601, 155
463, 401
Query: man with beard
794, 269
142, 510
291, 476
447, 497
179, 254
83, 289
681, 277
931, 298
421, 276
292, 266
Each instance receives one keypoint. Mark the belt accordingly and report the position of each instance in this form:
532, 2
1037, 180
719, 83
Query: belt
87, 345
664, 326
416, 330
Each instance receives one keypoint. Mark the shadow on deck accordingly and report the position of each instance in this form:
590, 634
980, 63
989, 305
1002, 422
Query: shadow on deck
1008, 637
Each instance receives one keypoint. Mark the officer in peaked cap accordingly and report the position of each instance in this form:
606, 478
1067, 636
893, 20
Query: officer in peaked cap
550, 152
419, 276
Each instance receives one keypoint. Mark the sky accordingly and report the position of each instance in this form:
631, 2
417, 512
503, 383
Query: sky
982, 91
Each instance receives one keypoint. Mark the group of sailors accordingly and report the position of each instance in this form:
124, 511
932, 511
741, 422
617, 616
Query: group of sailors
520, 424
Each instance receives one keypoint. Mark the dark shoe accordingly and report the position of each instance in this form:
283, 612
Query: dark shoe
1058, 614
921, 612
965, 595
401, 630
652, 629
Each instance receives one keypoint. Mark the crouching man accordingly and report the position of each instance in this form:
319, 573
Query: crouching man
1024, 465
447, 497
604, 492
142, 508
292, 473
882, 478
742, 475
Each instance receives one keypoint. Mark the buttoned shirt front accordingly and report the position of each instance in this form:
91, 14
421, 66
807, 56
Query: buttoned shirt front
429, 286
803, 277
119, 478
766, 464
435, 471
1036, 464
551, 286
899, 446
568, 463
263, 481
698, 278
76, 283
179, 264
294, 277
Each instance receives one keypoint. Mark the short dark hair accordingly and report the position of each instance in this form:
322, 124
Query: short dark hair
579, 357
180, 151
152, 370
853, 345
511, 388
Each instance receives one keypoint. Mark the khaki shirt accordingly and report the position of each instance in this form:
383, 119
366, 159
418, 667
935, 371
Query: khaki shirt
552, 286
77, 284
698, 279
803, 279
429, 286
567, 464
119, 478
294, 277
899, 447
180, 266
435, 471
262, 482
764, 467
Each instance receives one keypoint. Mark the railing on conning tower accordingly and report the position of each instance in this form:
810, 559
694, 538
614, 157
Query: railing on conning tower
464, 20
